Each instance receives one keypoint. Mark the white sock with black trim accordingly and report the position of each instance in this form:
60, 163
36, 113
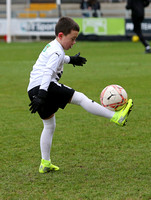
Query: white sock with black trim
91, 106
46, 137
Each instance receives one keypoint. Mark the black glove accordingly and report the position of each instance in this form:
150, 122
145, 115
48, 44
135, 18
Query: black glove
77, 60
38, 101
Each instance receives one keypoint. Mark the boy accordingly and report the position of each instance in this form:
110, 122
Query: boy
47, 95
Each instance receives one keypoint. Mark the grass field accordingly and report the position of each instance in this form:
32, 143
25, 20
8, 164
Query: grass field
98, 160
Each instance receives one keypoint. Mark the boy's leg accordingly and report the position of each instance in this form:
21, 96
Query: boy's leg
119, 117
46, 137
45, 145
91, 106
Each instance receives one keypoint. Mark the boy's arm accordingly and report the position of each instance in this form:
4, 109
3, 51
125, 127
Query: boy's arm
40, 99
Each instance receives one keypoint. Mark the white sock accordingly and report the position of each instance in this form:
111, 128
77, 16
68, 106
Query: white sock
46, 137
91, 106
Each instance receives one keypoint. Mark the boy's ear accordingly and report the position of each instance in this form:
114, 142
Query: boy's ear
60, 35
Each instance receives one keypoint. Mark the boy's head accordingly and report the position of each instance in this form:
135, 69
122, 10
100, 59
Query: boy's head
66, 31
66, 25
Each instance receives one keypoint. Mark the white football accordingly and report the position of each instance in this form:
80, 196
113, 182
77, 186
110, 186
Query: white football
113, 97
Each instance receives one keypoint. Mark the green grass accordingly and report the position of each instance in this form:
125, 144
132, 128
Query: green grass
98, 160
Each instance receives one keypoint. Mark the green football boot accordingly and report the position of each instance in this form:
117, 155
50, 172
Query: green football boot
120, 117
46, 166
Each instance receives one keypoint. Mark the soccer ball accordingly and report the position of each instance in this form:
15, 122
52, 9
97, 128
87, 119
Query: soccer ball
113, 97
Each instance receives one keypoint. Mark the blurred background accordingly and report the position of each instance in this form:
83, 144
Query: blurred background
36, 19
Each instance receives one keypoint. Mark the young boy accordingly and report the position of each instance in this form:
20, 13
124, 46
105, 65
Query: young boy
47, 95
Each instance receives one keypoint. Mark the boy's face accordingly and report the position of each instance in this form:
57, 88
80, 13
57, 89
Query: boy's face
67, 41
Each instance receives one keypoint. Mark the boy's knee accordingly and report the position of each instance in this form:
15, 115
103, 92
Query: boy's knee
77, 98
50, 123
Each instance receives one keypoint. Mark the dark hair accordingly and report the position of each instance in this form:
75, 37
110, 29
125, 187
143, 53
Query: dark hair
66, 25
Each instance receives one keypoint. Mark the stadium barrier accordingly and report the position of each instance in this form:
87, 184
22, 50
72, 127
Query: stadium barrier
88, 26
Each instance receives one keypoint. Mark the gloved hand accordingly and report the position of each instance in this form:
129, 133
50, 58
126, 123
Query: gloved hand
38, 101
77, 60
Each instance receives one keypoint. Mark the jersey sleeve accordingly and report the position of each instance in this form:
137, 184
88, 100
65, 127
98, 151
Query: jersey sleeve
66, 59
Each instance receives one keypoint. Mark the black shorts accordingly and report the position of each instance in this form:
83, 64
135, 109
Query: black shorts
58, 97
